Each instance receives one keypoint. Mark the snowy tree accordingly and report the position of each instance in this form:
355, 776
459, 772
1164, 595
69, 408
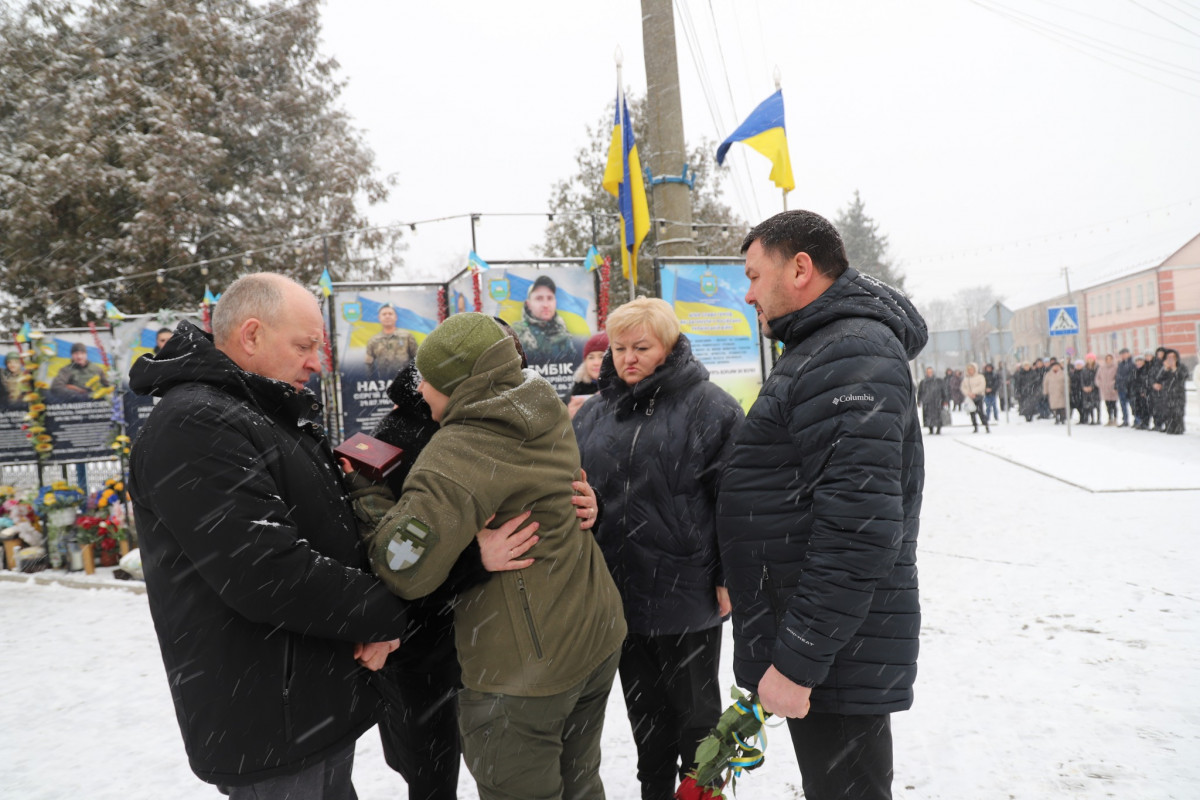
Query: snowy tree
138, 137
866, 247
718, 230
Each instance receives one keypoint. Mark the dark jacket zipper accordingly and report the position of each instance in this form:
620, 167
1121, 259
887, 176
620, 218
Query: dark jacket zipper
537, 644
287, 682
772, 599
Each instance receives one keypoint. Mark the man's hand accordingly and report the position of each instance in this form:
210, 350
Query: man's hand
501, 548
724, 607
373, 655
782, 697
586, 507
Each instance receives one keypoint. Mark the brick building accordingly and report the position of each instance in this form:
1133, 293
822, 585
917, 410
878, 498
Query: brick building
1155, 307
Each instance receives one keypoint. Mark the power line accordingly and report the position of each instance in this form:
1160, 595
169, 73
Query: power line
1160, 16
732, 102
1050, 237
1183, 11
692, 39
1056, 38
1123, 27
1107, 46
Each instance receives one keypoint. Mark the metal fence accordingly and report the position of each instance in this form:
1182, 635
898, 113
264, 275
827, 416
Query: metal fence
87, 475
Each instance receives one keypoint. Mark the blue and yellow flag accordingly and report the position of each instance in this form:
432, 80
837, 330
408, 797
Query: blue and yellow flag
325, 282
764, 131
476, 263
593, 260
623, 180
368, 325
111, 311
23, 333
209, 297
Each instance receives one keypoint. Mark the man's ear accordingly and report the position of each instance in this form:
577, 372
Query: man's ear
250, 335
803, 270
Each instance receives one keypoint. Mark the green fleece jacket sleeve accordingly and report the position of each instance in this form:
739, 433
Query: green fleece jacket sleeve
416, 541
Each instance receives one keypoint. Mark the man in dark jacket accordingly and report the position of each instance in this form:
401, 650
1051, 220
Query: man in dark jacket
818, 509
1125, 375
933, 397
253, 568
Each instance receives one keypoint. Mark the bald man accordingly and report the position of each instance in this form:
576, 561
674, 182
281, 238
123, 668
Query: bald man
257, 583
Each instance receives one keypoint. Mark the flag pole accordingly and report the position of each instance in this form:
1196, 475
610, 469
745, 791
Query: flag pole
618, 57
779, 87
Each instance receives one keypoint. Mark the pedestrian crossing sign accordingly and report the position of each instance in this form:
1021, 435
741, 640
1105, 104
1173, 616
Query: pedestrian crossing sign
1063, 320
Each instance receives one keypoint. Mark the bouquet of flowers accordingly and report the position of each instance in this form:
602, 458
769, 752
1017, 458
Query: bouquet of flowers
105, 534
735, 745
59, 494
108, 496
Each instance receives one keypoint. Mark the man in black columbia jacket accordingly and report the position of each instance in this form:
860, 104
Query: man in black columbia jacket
818, 508
253, 566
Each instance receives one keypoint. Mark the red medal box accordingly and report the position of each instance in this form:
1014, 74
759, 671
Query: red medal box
375, 459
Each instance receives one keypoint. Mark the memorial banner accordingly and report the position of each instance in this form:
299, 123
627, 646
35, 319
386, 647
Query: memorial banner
709, 301
552, 310
134, 337
378, 329
460, 293
59, 398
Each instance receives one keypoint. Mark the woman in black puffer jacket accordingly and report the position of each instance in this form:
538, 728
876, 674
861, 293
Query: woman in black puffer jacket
654, 442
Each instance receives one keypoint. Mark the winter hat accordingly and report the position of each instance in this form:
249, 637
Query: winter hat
448, 355
13, 356
597, 344
78, 347
1091, 356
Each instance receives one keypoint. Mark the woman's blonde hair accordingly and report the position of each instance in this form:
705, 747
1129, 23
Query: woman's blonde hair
650, 313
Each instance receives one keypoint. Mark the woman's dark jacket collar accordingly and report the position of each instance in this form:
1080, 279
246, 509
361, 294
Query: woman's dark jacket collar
678, 371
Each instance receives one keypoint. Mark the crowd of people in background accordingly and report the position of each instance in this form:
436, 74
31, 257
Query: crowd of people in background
1145, 392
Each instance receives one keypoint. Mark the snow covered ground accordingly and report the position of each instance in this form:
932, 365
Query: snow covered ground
1060, 655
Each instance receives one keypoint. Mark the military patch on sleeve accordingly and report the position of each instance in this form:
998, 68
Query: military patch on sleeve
408, 544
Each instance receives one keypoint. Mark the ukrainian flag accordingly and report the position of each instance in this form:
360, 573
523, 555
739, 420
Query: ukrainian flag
709, 314
572, 309
623, 179
764, 131
362, 331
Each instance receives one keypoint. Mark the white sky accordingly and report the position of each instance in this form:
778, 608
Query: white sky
991, 147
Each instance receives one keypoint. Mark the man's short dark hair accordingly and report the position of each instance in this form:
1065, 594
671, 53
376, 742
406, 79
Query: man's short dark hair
798, 231
386, 305
544, 280
78, 347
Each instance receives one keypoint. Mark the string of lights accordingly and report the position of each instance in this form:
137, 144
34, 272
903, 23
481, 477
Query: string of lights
245, 257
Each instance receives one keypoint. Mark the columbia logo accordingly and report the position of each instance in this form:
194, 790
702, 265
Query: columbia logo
846, 398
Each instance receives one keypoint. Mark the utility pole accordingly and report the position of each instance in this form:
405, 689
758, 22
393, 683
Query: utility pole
672, 200
1067, 359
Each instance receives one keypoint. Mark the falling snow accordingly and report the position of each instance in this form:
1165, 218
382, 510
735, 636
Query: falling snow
1059, 653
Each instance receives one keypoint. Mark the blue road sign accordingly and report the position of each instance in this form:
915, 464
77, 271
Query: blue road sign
1063, 320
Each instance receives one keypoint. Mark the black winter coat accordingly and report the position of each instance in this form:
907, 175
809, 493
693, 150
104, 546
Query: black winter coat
654, 453
932, 394
819, 507
253, 567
